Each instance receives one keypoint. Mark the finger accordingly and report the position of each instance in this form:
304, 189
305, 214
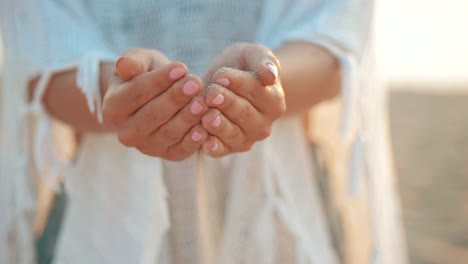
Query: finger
262, 61
191, 143
239, 111
248, 57
244, 84
214, 147
228, 132
267, 100
123, 99
177, 127
136, 61
162, 108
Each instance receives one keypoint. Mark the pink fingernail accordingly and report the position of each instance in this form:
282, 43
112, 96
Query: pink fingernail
196, 108
119, 61
273, 69
223, 82
217, 122
218, 100
214, 147
177, 73
196, 136
190, 88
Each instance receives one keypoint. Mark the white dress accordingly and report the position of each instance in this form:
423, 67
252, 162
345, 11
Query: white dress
261, 206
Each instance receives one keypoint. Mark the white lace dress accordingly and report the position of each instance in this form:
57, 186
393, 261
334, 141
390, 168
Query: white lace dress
261, 206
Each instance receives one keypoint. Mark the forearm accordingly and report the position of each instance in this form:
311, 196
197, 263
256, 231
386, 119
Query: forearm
64, 101
309, 75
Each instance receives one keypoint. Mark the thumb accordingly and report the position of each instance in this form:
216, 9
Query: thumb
134, 62
267, 72
263, 62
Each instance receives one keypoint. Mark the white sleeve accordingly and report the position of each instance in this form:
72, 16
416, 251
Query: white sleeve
51, 37
344, 27
340, 26
39, 38
43, 38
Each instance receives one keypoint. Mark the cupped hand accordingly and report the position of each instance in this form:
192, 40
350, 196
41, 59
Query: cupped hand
245, 97
155, 105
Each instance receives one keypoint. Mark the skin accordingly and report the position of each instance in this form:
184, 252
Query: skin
147, 108
244, 99
155, 105
65, 102
255, 97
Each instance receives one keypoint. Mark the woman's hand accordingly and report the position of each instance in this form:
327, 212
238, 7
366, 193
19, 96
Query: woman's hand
155, 105
245, 98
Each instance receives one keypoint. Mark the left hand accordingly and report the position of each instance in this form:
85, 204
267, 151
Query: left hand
245, 97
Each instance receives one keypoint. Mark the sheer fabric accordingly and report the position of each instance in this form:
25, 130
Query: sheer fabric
261, 206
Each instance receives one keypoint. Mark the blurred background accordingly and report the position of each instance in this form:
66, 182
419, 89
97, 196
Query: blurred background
423, 58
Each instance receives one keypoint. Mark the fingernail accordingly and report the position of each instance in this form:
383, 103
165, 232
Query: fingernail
118, 61
218, 100
216, 122
273, 69
214, 147
196, 108
190, 88
177, 73
223, 82
196, 136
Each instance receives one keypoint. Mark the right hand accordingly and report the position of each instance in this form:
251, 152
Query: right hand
155, 105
